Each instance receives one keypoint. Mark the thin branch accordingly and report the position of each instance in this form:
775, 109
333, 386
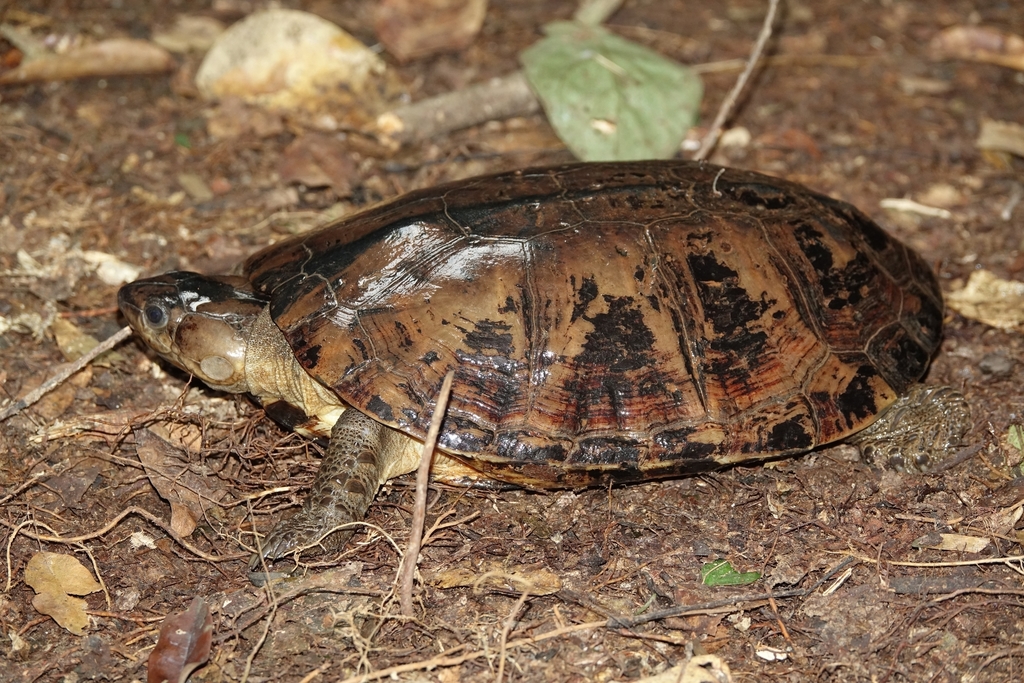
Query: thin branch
711, 139
419, 512
63, 373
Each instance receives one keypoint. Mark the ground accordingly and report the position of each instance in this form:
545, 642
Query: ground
851, 105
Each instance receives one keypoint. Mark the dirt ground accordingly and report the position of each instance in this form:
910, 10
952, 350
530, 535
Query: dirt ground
851, 105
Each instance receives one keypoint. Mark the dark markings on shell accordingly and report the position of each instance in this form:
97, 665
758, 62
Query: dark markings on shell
462, 435
404, 340
731, 311
509, 307
516, 447
310, 355
681, 441
842, 287
759, 195
609, 450
898, 356
358, 343
789, 435
620, 340
876, 238
585, 293
857, 401
490, 335
378, 407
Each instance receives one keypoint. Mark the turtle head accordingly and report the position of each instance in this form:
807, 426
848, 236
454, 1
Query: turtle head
201, 324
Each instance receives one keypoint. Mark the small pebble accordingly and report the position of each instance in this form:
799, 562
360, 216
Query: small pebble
996, 363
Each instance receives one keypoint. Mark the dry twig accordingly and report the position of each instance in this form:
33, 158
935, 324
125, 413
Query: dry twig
711, 139
419, 512
63, 373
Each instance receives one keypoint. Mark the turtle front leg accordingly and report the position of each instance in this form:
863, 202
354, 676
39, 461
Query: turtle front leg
345, 485
918, 431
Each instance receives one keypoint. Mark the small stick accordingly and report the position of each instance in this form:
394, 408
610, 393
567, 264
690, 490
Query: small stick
419, 511
496, 99
711, 139
63, 373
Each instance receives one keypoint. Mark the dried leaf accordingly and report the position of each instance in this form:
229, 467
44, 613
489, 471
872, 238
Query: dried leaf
55, 578
991, 300
410, 29
1001, 136
71, 341
1015, 437
1001, 522
114, 57
979, 44
189, 493
110, 269
234, 118
182, 521
952, 542
318, 160
184, 644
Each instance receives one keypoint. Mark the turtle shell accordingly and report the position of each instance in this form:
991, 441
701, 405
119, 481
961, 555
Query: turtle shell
611, 321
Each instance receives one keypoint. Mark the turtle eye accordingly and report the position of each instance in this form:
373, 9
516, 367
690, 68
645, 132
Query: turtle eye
156, 316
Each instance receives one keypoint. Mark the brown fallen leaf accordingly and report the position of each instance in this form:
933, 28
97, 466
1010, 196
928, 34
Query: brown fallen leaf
114, 57
410, 29
959, 543
55, 578
167, 465
233, 118
318, 160
1002, 522
71, 340
979, 44
184, 644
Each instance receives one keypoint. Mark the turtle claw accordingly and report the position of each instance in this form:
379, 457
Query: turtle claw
309, 529
291, 537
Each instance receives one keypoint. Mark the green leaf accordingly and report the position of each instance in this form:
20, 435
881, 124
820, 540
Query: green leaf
609, 98
721, 573
1015, 437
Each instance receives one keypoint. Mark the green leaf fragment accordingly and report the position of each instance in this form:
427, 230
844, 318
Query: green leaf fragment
721, 573
609, 98
1015, 437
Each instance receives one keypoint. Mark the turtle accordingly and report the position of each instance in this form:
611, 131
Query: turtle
606, 323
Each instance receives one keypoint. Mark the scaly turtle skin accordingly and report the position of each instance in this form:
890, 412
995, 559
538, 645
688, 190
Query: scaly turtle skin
606, 323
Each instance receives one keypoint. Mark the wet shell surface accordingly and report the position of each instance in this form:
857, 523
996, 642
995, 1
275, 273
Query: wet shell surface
618, 322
